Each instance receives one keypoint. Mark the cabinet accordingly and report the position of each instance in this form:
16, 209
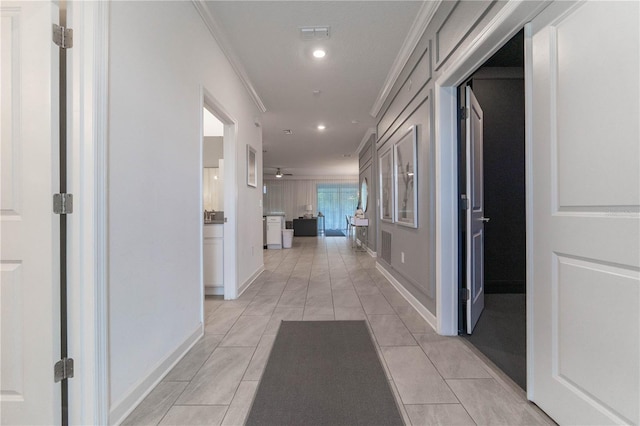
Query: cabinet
213, 259
305, 227
275, 224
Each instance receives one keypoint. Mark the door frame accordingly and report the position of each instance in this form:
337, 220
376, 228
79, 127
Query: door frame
509, 20
87, 124
229, 141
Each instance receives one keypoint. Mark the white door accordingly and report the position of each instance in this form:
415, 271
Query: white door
475, 214
584, 212
29, 339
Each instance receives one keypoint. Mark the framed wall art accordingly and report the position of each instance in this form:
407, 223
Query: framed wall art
252, 167
406, 178
386, 185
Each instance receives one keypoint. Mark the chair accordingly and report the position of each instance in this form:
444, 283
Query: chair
348, 228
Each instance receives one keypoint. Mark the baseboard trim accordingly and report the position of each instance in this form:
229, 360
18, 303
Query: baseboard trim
371, 252
422, 310
250, 280
143, 387
214, 291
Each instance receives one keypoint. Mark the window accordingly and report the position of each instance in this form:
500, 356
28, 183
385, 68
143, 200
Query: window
335, 201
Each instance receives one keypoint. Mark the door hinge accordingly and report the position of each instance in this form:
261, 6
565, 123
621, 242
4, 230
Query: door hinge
464, 202
63, 203
463, 113
465, 294
62, 36
63, 369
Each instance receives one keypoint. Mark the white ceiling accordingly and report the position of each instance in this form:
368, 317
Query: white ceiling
366, 37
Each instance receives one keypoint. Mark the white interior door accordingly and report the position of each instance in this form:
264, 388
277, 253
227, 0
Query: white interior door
584, 212
29, 320
475, 214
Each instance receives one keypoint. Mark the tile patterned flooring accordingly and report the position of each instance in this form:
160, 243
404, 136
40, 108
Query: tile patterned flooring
436, 380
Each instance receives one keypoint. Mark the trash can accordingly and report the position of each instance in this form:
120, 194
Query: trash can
287, 238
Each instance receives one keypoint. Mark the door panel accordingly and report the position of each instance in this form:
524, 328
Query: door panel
584, 220
475, 217
29, 339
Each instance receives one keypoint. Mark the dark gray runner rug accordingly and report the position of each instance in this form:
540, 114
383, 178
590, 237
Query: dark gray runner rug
324, 373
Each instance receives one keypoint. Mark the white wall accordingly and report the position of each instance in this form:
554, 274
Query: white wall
156, 76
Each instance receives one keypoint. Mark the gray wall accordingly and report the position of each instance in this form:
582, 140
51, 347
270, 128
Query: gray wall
500, 92
369, 170
451, 30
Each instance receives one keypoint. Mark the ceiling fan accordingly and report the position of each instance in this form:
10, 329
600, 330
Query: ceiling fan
280, 173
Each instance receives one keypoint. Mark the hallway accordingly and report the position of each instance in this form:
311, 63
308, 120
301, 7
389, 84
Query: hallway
438, 379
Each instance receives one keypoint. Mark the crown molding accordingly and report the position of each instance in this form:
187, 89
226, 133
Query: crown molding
217, 33
370, 131
419, 26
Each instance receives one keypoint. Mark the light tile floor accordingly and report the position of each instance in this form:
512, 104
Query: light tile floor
436, 380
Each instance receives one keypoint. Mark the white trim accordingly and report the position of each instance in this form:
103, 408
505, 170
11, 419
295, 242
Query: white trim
508, 21
225, 46
88, 66
419, 307
528, 147
371, 252
144, 386
214, 291
370, 131
419, 26
250, 280
446, 171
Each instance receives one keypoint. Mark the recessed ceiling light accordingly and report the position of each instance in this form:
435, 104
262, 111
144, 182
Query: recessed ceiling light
319, 53
321, 127
346, 155
354, 122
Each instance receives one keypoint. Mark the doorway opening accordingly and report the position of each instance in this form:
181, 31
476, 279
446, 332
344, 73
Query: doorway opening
492, 220
213, 203
224, 224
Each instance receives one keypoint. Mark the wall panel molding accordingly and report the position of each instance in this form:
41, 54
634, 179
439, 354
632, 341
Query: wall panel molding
457, 26
420, 24
411, 88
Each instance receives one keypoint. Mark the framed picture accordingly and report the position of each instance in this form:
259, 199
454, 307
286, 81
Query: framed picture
386, 185
252, 167
406, 178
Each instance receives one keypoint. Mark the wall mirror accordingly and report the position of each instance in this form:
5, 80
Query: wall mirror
213, 189
364, 194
